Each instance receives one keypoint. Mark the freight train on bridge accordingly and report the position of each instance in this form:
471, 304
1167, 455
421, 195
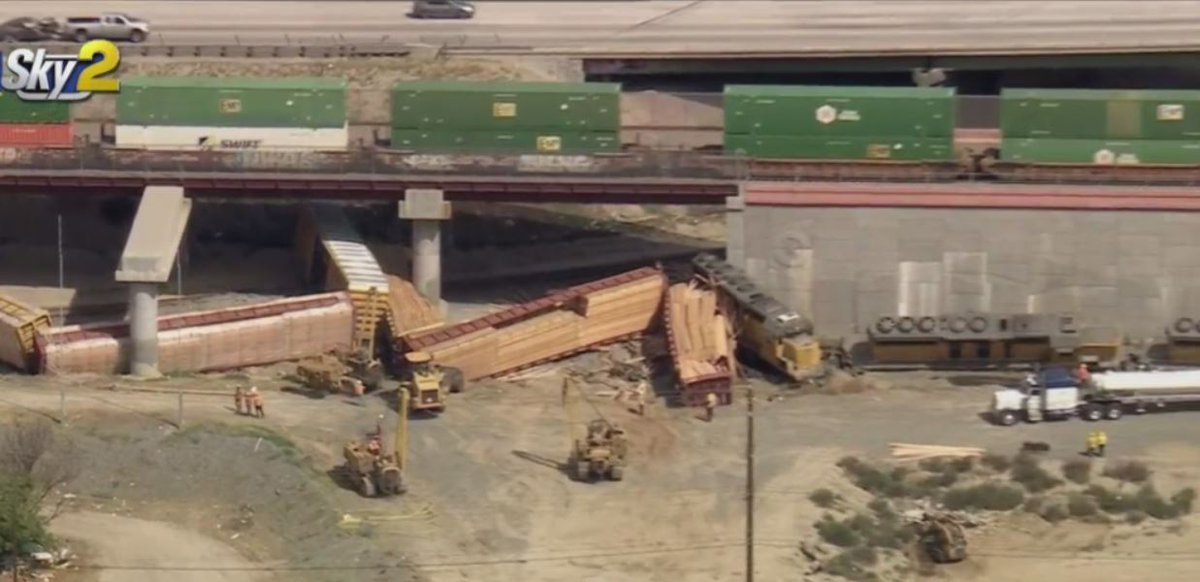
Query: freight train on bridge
768, 133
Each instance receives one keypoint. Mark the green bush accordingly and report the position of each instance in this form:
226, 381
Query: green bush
865, 555
938, 481
934, 465
1078, 471
1054, 513
997, 463
1110, 501
836, 532
961, 464
1154, 505
874, 480
1127, 471
1135, 517
1026, 471
843, 565
1034, 504
1080, 505
986, 496
1182, 500
882, 509
823, 498
892, 535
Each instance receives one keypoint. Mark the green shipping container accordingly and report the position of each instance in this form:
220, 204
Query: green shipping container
854, 148
15, 110
831, 112
501, 142
449, 105
1100, 152
232, 102
1100, 114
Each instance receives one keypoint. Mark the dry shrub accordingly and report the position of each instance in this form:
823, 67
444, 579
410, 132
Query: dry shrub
1078, 471
1127, 471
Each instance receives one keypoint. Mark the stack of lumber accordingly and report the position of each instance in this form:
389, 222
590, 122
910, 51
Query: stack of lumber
910, 452
547, 329
218, 339
699, 333
408, 312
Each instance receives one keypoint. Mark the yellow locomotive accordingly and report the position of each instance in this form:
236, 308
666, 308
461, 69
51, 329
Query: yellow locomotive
766, 328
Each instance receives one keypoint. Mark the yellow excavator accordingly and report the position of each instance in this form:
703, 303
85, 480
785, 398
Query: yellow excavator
373, 471
600, 452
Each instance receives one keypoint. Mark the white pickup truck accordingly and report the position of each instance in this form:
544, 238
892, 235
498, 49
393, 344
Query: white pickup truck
106, 27
1055, 393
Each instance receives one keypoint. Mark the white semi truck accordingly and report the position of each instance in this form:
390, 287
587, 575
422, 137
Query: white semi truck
1056, 393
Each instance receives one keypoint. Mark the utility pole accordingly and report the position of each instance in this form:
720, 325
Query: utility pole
749, 482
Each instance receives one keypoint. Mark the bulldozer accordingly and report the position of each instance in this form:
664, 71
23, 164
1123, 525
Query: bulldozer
365, 368
942, 538
427, 383
599, 453
373, 471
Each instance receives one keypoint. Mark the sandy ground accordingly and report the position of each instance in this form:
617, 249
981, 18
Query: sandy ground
144, 546
488, 500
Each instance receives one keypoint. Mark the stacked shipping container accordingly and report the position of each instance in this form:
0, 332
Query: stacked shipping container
34, 123
232, 113
547, 118
840, 123
1073, 126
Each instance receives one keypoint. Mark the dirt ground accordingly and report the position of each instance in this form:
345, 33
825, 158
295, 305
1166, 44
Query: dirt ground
488, 499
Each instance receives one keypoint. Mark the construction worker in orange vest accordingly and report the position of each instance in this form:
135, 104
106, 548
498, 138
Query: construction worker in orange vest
256, 400
710, 406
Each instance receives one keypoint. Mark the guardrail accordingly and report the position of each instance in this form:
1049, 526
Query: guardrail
235, 49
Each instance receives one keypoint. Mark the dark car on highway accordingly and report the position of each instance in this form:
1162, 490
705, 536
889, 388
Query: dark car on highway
442, 9
22, 29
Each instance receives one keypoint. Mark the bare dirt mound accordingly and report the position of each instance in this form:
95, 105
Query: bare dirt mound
137, 550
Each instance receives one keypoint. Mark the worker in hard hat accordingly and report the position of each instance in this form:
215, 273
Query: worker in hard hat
256, 400
239, 396
1101, 442
710, 406
1093, 443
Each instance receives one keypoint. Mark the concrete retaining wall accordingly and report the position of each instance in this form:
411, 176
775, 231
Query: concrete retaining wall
221, 339
847, 266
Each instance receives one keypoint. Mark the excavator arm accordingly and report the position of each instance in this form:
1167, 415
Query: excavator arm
571, 406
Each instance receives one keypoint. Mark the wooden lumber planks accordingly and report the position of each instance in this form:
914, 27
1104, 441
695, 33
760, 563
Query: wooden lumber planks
697, 338
222, 339
409, 312
913, 452
546, 329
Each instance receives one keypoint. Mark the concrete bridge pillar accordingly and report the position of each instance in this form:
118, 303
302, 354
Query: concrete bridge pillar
427, 209
735, 230
146, 263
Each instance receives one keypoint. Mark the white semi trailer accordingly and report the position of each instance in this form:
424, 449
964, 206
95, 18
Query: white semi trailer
1055, 393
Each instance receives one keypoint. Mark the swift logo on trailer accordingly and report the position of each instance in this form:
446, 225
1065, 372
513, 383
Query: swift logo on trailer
207, 143
36, 75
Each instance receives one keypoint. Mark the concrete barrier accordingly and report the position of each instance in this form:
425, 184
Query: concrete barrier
220, 339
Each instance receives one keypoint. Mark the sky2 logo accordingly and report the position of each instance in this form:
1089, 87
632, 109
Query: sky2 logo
35, 75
